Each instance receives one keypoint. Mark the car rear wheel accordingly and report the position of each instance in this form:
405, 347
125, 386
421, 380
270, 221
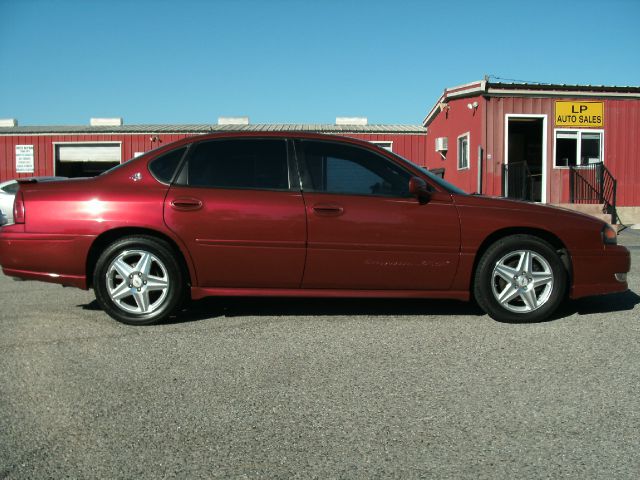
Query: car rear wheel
520, 278
137, 280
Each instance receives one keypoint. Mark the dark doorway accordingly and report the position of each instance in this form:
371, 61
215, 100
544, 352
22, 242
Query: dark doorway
523, 172
80, 159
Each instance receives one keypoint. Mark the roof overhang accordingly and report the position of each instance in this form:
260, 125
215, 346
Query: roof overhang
472, 89
488, 89
383, 129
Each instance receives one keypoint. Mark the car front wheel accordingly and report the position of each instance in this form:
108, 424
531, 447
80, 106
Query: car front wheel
137, 280
520, 278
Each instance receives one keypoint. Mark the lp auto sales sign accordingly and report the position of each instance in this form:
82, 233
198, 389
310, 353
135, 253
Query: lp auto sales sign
579, 114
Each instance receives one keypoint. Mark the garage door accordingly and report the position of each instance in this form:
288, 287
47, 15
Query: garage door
89, 152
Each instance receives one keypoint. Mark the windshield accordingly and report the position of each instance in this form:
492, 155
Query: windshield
449, 187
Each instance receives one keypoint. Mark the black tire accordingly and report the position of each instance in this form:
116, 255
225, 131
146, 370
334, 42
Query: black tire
138, 280
533, 292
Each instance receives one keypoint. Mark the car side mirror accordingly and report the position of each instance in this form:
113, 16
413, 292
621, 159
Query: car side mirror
418, 188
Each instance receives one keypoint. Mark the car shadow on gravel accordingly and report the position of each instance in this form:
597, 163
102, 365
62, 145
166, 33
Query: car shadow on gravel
610, 303
257, 307
229, 307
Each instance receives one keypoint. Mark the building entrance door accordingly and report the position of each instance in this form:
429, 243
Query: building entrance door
524, 167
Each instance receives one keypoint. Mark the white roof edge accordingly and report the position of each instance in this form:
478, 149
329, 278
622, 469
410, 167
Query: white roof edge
466, 85
432, 113
476, 88
468, 89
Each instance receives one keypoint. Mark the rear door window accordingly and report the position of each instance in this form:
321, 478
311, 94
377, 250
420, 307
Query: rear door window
239, 164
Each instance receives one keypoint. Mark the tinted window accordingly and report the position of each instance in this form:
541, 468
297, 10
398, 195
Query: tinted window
335, 168
165, 166
257, 164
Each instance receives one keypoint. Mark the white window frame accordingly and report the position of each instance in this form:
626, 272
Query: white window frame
508, 116
386, 144
579, 131
468, 150
86, 142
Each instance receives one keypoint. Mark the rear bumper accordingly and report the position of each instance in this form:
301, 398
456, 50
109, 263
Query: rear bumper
56, 258
595, 273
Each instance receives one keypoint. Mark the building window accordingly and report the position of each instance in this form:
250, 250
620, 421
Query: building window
578, 147
463, 151
384, 144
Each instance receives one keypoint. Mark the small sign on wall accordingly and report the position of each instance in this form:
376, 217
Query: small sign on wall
579, 114
24, 159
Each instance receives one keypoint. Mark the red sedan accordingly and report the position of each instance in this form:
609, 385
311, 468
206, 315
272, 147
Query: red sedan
300, 215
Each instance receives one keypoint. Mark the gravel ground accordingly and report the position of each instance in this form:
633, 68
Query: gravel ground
246, 388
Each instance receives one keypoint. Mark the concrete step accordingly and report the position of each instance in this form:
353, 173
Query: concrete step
593, 209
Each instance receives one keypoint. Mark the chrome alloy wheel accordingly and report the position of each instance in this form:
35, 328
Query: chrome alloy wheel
522, 281
137, 281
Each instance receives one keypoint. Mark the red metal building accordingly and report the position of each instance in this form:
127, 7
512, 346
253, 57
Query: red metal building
559, 144
88, 150
556, 144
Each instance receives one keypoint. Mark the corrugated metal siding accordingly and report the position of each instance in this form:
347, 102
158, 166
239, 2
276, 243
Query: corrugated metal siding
456, 121
40, 153
622, 148
44, 146
487, 127
497, 108
621, 144
411, 146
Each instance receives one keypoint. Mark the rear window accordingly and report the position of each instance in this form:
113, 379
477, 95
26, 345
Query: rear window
164, 167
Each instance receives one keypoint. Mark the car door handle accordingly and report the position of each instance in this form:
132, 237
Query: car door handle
328, 210
185, 204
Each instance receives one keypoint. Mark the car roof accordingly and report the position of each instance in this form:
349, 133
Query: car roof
292, 135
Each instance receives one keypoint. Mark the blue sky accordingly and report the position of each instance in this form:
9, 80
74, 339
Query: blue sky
280, 61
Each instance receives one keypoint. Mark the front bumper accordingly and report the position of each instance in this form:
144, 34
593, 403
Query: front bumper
594, 273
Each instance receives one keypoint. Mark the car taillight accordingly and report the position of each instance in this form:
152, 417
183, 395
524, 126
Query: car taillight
609, 235
18, 208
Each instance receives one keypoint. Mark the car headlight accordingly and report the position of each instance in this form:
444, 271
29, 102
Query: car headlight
609, 235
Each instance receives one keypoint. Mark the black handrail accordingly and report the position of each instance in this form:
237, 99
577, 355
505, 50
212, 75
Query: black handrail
517, 181
593, 183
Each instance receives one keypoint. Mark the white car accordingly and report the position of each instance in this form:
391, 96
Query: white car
8, 191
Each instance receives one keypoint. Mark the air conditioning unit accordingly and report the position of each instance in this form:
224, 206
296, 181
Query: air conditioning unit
442, 144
